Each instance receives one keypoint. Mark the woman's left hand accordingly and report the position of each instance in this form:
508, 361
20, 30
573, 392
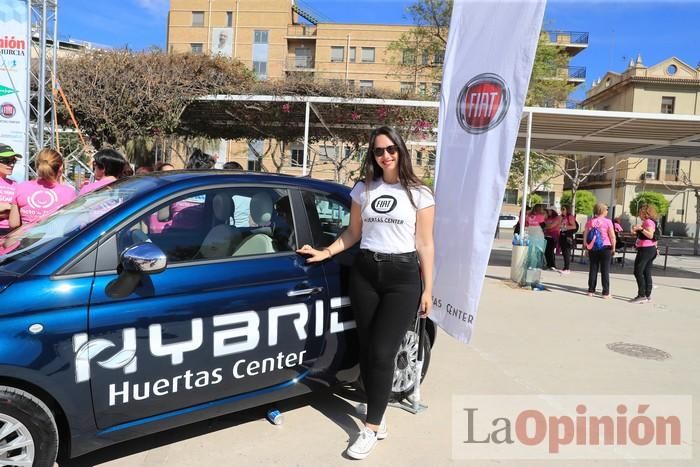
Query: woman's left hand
426, 304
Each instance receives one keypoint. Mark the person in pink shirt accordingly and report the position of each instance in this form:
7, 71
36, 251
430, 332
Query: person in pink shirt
109, 166
552, 224
8, 157
599, 253
646, 245
36, 199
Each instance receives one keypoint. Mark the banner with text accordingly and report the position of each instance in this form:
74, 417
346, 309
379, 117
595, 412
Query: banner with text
14, 59
488, 62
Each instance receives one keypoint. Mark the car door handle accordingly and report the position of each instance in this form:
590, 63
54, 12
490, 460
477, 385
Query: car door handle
300, 292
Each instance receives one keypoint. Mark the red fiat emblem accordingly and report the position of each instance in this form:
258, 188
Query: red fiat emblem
7, 110
483, 103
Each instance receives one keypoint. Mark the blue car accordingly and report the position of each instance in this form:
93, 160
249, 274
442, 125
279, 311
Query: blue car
168, 299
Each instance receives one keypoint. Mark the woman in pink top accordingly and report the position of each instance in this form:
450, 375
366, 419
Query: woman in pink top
599, 258
36, 199
552, 225
646, 252
567, 232
8, 157
109, 166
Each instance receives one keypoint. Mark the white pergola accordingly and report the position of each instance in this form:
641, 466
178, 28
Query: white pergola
554, 131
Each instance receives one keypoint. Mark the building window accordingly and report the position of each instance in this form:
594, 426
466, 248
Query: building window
337, 54
419, 157
229, 19
439, 58
254, 166
297, 157
352, 52
672, 69
668, 105
672, 169
422, 88
653, 166
260, 69
260, 37
197, 19
351, 83
409, 57
367, 54
197, 48
431, 159
255, 153
366, 84
510, 196
436, 89
406, 87
328, 153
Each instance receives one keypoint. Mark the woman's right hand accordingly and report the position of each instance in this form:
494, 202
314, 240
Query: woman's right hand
314, 255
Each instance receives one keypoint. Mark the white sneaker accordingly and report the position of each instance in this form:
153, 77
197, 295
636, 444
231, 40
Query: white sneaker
361, 410
366, 439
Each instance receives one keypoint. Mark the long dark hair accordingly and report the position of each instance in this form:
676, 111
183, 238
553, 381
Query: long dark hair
112, 162
371, 170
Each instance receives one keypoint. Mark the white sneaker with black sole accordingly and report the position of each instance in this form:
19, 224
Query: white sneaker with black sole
363, 444
382, 432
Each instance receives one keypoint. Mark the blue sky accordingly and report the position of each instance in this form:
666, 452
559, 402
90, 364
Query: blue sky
618, 30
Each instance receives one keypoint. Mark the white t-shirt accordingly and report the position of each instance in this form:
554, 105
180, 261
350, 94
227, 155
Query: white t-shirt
388, 217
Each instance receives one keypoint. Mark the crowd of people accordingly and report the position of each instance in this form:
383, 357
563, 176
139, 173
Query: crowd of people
32, 200
550, 233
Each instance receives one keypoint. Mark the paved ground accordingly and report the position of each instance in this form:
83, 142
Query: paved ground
549, 342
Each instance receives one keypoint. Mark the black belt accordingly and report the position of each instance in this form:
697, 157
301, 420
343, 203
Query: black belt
409, 257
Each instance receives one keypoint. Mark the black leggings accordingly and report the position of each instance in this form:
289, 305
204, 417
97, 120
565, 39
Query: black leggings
385, 296
565, 245
599, 259
642, 270
549, 252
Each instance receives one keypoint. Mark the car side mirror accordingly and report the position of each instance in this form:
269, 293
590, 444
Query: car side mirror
139, 259
144, 258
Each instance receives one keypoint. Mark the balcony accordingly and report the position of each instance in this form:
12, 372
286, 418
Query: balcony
300, 63
301, 31
572, 41
576, 73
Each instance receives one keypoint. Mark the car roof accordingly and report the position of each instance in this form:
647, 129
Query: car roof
194, 178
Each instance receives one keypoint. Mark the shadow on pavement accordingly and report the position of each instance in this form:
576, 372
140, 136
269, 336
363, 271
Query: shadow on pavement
328, 402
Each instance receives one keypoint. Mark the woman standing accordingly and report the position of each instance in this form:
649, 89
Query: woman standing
534, 223
8, 158
646, 245
601, 247
393, 213
568, 229
36, 199
552, 226
109, 166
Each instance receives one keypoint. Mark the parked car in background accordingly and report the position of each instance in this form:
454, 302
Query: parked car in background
507, 221
145, 306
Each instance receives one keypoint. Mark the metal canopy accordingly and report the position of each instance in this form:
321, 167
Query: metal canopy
606, 133
555, 131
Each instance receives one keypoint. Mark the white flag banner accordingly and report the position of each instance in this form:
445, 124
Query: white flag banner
14, 63
488, 62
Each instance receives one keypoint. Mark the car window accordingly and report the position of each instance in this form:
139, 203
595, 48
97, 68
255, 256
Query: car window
209, 225
328, 217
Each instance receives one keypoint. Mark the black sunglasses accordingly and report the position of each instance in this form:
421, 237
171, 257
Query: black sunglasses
393, 149
10, 162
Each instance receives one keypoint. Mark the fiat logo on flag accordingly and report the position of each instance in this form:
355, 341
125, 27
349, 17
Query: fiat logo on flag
483, 103
7, 110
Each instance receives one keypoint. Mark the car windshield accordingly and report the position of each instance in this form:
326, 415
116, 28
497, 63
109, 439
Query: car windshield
21, 248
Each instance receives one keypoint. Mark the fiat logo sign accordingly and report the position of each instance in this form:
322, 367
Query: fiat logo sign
7, 110
483, 103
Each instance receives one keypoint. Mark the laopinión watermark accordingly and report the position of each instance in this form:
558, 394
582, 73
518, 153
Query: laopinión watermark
572, 427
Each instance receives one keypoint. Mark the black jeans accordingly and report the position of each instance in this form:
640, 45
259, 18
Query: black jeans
549, 252
642, 270
599, 259
385, 296
565, 243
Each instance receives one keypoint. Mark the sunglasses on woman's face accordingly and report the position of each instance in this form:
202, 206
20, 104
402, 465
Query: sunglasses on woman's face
10, 162
378, 152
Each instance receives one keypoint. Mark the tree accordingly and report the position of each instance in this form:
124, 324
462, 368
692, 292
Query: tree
119, 96
542, 170
549, 80
585, 201
652, 198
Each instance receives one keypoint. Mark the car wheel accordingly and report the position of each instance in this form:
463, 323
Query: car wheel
404, 381
28, 433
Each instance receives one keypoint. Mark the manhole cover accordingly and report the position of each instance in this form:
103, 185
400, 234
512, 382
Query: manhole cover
639, 351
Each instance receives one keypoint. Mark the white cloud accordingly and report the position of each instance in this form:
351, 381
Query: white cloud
155, 7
